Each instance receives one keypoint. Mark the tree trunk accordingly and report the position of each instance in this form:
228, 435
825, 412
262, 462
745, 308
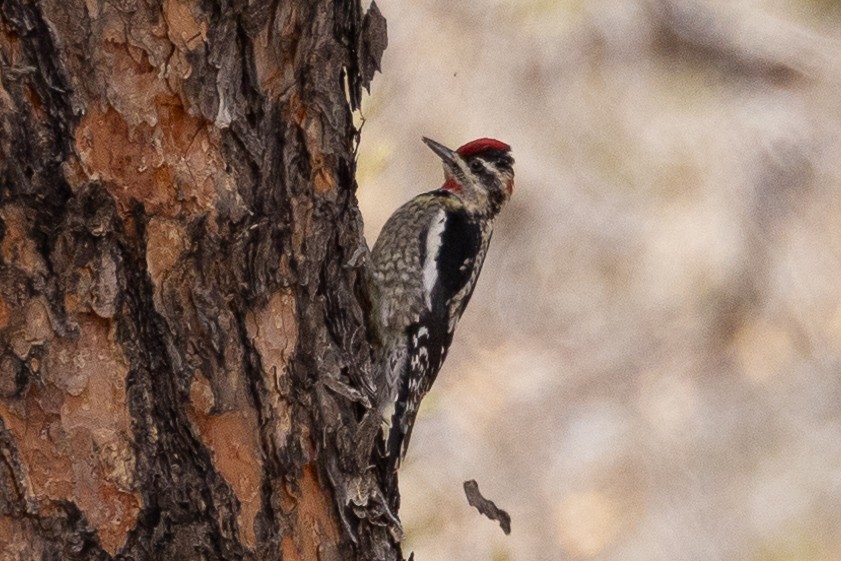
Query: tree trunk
185, 360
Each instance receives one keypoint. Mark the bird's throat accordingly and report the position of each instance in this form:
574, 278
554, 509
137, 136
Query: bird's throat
452, 185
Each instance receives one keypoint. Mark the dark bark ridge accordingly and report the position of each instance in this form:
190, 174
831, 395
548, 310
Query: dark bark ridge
287, 226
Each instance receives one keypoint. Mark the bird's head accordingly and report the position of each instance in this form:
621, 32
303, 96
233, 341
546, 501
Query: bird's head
480, 173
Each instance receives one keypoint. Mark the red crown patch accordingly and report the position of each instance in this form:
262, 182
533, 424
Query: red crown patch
480, 145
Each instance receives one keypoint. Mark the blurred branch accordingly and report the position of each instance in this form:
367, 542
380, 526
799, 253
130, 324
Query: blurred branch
740, 45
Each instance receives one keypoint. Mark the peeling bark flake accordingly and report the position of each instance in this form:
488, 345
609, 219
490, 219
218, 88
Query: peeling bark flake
232, 438
80, 450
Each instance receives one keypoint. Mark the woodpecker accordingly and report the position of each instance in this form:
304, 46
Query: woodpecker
425, 265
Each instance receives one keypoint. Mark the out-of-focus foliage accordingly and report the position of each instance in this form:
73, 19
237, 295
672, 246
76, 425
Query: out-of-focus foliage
650, 368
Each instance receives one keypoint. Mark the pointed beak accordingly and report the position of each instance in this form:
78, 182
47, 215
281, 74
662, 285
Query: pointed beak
449, 156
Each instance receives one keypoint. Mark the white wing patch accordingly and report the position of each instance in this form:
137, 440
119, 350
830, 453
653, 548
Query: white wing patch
433, 246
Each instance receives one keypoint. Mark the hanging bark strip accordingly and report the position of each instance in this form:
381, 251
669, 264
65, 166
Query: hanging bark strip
184, 357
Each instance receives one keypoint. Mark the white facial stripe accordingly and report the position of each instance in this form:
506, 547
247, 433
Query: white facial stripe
489, 167
433, 246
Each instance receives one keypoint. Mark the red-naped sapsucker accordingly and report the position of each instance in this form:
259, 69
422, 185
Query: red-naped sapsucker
425, 265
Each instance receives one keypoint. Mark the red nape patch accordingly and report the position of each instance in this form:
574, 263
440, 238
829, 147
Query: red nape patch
480, 145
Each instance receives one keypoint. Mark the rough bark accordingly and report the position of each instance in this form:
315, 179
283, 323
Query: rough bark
185, 360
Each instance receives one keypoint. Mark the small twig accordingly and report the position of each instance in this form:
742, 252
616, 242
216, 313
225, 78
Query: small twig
486, 507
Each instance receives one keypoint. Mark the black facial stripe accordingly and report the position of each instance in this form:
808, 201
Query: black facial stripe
495, 159
505, 162
489, 175
492, 154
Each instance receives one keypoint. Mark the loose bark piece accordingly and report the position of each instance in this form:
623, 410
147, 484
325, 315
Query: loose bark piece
374, 41
486, 507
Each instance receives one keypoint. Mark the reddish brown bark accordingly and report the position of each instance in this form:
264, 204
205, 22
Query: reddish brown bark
182, 285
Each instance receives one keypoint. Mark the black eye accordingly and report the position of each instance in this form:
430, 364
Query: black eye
476, 165
503, 163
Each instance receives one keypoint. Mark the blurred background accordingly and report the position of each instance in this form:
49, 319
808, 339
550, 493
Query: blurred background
650, 368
